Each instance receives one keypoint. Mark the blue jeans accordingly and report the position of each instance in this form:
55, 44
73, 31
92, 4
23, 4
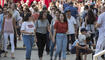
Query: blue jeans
52, 48
28, 41
61, 43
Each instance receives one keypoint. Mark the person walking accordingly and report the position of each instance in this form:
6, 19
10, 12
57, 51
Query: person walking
60, 30
101, 27
9, 26
18, 18
27, 30
42, 27
72, 29
57, 13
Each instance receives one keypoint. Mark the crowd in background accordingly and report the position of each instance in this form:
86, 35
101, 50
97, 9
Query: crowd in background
63, 27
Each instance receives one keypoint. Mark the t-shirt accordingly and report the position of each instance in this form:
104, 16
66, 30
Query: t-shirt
28, 27
81, 39
61, 27
42, 26
71, 27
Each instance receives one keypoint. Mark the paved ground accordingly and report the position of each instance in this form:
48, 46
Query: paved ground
20, 55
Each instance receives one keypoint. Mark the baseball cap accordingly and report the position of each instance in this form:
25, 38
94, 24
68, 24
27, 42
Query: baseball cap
67, 9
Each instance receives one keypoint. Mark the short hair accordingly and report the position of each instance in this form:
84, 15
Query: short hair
67, 11
86, 7
71, 3
91, 6
83, 30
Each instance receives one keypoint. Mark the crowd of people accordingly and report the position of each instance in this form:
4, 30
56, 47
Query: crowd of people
63, 27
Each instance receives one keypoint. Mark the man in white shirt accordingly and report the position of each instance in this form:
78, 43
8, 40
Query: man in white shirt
101, 26
71, 27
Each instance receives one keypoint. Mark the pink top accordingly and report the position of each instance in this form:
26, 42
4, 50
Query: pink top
8, 26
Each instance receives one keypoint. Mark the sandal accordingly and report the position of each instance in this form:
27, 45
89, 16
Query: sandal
12, 56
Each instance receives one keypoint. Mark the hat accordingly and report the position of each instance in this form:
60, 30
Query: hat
67, 9
83, 29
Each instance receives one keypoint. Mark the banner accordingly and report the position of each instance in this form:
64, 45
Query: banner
47, 2
2, 3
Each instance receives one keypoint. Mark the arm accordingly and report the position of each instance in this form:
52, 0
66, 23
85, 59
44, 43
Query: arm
35, 35
75, 26
14, 25
86, 21
3, 26
97, 25
49, 30
54, 35
80, 21
78, 46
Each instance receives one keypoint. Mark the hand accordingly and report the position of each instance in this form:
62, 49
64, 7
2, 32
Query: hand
36, 40
30, 33
53, 40
85, 47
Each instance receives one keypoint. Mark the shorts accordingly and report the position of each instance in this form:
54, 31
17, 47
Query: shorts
85, 51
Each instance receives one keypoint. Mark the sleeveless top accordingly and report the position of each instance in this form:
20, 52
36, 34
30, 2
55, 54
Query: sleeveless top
8, 26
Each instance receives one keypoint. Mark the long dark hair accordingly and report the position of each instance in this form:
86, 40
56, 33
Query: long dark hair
65, 18
91, 17
41, 15
26, 18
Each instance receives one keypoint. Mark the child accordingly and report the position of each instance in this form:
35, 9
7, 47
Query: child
81, 46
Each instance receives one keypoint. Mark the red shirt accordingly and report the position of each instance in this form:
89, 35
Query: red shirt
36, 16
61, 27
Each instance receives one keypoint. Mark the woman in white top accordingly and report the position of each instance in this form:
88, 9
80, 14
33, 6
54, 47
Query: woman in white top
27, 30
9, 26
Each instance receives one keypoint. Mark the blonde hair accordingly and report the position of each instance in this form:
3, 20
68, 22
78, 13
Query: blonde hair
10, 12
